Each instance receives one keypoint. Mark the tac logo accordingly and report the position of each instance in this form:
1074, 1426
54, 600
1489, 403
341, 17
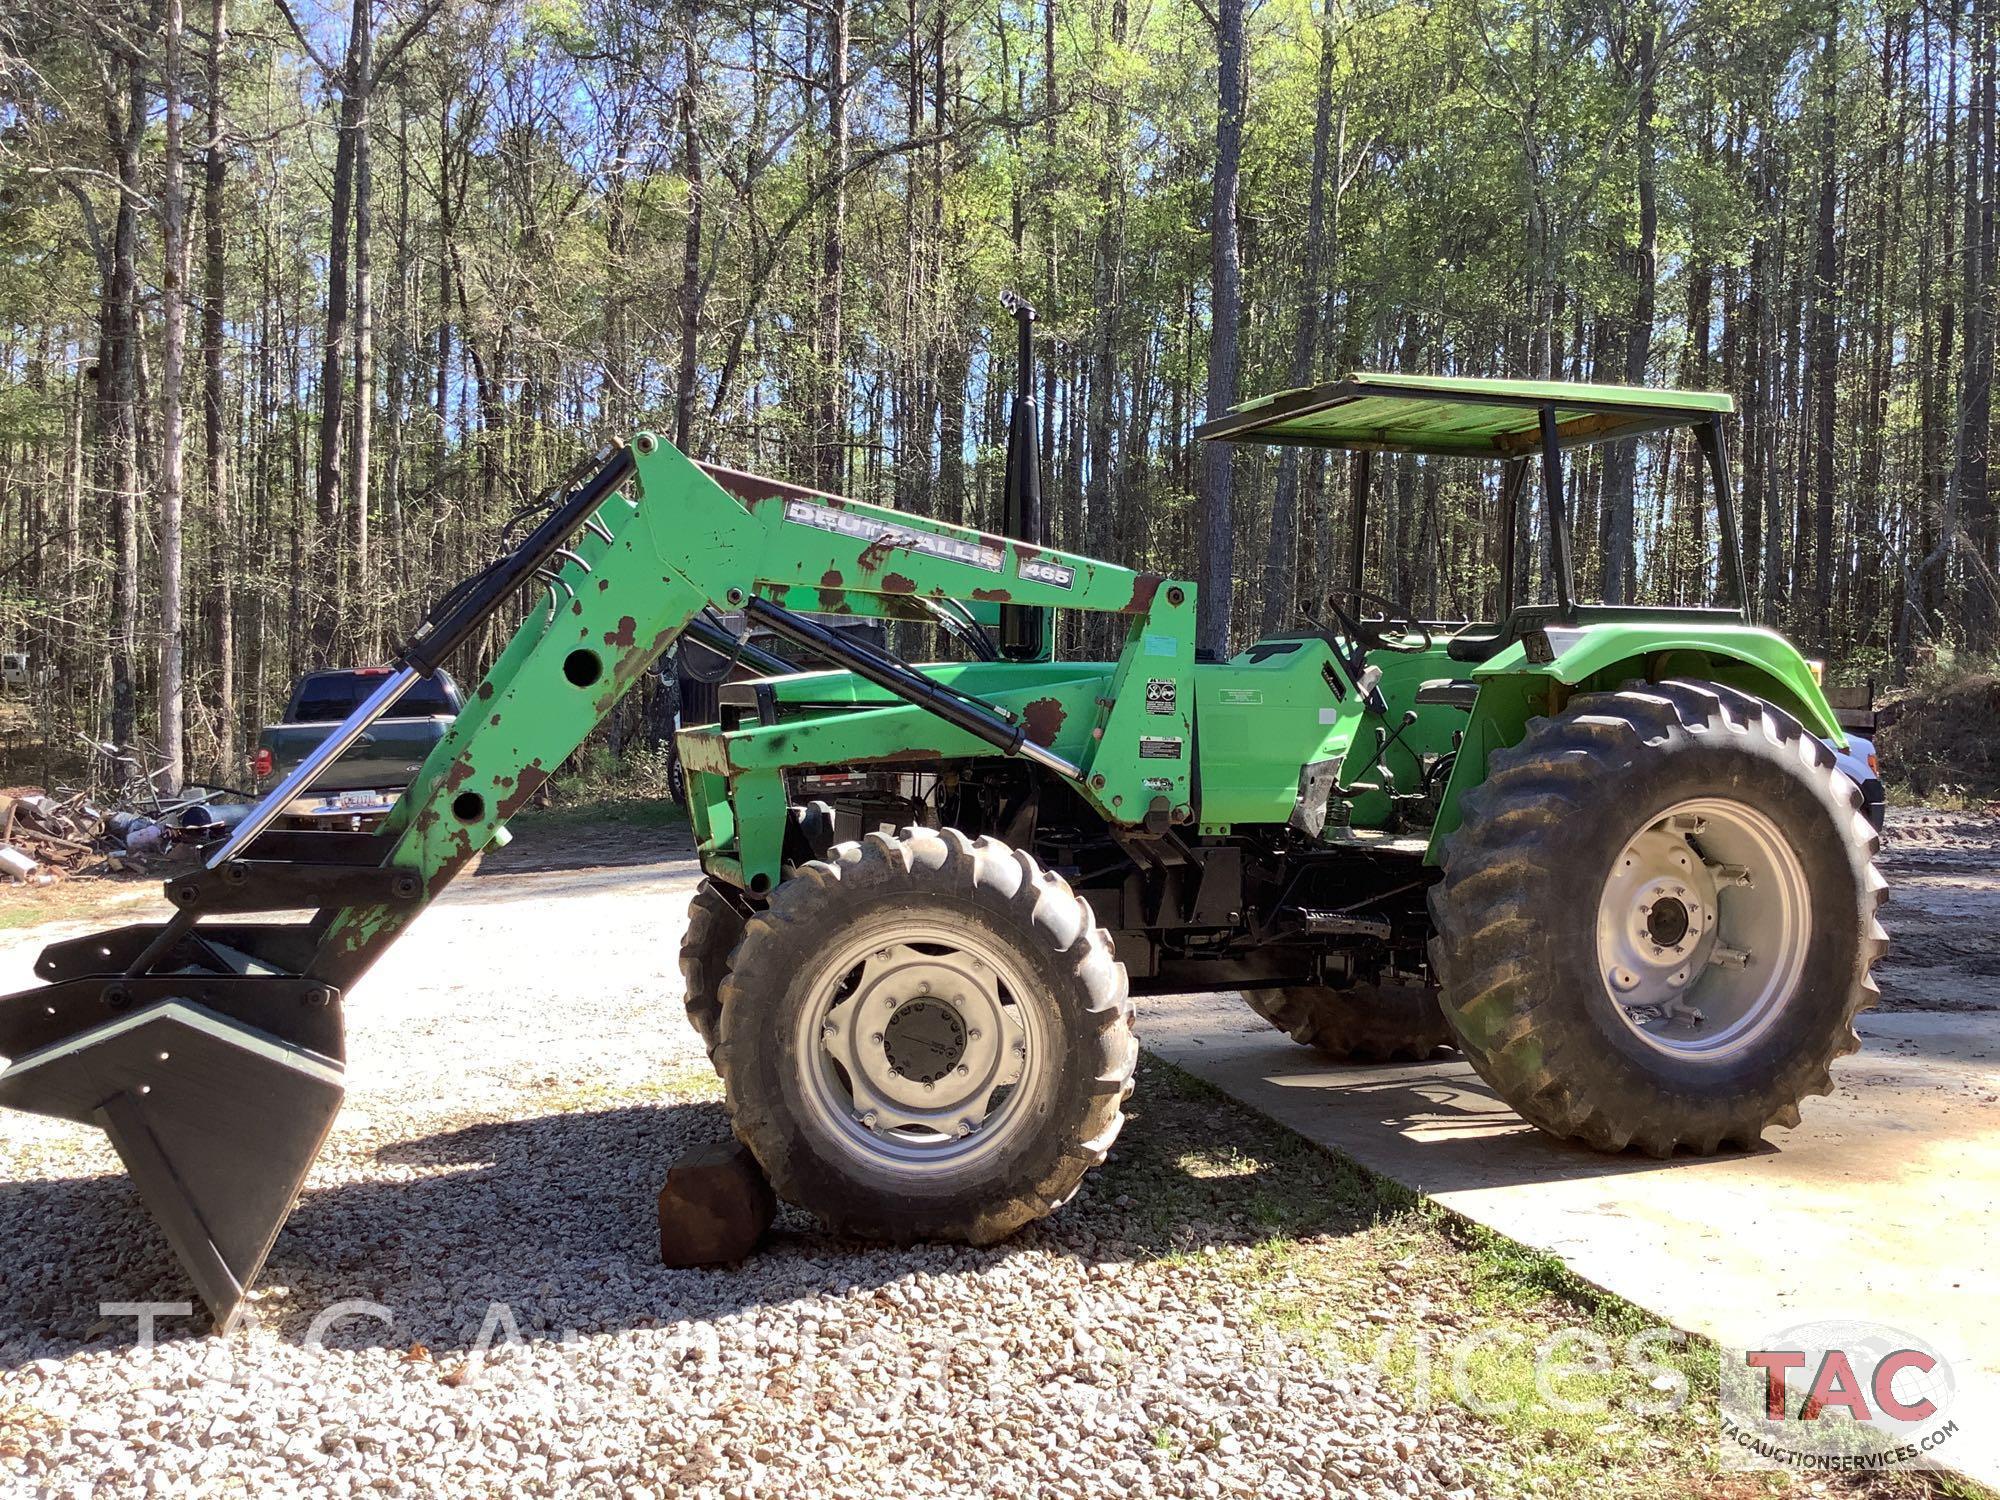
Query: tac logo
1837, 1395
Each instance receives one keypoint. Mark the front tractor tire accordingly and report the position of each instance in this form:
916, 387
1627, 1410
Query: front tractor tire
926, 1036
1364, 1023
714, 928
1657, 919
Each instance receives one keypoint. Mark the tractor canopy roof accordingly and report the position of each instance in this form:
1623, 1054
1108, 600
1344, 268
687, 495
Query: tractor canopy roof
1458, 415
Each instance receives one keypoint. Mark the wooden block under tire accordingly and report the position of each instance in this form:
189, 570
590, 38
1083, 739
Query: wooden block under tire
715, 1207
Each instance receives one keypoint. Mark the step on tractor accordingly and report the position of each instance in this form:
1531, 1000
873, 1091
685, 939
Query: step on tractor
1604, 852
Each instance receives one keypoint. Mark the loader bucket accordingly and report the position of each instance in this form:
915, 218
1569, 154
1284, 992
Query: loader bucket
215, 1073
217, 1123
212, 1052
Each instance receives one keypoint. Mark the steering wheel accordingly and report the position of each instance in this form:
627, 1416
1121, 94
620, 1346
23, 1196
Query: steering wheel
1375, 635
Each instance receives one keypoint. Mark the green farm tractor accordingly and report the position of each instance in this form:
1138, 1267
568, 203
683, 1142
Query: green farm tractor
1604, 852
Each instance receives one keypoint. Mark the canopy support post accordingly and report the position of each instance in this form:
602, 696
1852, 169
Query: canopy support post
1552, 491
1358, 520
1511, 484
1714, 447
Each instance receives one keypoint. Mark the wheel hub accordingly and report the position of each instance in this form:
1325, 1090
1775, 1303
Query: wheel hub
1702, 927
920, 1047
1668, 922
924, 1040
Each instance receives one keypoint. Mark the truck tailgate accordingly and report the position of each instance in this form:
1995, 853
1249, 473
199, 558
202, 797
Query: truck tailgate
388, 755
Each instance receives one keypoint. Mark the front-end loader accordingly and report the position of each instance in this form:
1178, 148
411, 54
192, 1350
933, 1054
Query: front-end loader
1603, 851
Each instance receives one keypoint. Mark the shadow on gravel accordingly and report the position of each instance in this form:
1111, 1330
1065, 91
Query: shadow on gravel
553, 1218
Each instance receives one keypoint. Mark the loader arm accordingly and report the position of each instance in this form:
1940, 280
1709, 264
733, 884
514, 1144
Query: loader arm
212, 1052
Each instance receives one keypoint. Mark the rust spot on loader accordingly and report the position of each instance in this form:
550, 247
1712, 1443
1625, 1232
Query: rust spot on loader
993, 596
485, 690
876, 553
897, 583
1044, 720
531, 778
1143, 588
625, 636
576, 606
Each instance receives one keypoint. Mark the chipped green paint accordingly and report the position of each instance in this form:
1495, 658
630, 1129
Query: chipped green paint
682, 538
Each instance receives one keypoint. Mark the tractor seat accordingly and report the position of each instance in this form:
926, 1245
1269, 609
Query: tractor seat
1451, 692
1478, 643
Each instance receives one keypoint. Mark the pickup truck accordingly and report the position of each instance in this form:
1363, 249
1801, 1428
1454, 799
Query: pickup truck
357, 790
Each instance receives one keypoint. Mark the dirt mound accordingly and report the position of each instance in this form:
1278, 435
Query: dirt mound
1946, 739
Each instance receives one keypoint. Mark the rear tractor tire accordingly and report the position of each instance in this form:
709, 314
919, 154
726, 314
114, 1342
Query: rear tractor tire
926, 1036
1657, 919
1364, 1023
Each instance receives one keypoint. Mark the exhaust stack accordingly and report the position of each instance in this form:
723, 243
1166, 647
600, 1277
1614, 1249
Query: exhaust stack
1024, 632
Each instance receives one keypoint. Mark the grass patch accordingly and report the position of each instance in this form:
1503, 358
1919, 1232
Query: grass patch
1365, 1272
668, 1083
129, 898
631, 792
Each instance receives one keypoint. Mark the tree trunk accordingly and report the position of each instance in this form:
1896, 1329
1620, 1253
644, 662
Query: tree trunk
1825, 332
175, 247
215, 448
1280, 556
690, 294
1621, 459
830, 337
1216, 553
1100, 497
327, 494
1975, 420
117, 389
364, 614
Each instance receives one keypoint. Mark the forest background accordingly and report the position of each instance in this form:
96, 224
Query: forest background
298, 302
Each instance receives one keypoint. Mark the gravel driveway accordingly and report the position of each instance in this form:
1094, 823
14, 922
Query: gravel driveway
468, 1298
521, 1078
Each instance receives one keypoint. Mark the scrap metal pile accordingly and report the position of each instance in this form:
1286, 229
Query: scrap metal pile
46, 838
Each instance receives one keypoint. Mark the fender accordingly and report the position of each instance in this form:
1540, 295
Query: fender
1539, 673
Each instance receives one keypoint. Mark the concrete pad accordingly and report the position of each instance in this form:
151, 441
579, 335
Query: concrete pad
1879, 1207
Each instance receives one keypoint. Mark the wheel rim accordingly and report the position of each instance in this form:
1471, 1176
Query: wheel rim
1702, 928
919, 1054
